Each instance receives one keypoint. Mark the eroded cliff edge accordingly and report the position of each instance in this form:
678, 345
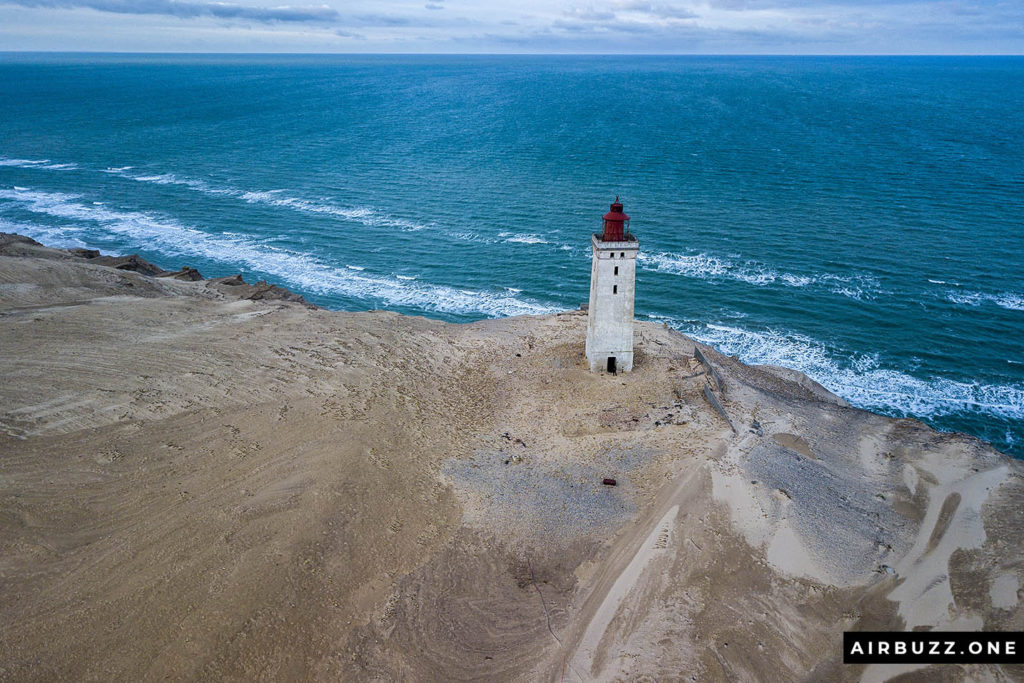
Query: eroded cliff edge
197, 485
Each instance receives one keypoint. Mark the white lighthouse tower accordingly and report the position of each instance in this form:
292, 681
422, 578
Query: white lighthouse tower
612, 282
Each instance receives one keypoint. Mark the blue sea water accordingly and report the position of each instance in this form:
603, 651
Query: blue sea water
859, 219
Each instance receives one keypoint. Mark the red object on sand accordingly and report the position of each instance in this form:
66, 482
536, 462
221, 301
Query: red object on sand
608, 482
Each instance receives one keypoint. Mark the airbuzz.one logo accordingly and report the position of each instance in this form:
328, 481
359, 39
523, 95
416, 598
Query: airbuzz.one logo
933, 647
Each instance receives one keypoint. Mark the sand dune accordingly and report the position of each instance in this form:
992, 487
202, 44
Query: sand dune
197, 484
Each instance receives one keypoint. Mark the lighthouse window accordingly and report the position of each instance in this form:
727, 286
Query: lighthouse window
622, 255
615, 289
616, 270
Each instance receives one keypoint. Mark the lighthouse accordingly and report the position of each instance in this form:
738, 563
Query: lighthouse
612, 283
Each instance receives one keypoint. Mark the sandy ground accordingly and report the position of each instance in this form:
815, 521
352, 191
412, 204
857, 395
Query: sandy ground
198, 485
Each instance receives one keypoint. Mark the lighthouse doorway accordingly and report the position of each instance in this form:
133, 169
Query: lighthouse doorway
611, 364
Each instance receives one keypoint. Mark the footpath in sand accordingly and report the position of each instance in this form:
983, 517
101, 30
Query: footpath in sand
210, 479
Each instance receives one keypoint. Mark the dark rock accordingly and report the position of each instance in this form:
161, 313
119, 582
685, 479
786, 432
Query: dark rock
7, 238
261, 291
187, 273
267, 292
233, 281
132, 262
85, 253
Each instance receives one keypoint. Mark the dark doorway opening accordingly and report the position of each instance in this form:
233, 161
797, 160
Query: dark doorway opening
611, 364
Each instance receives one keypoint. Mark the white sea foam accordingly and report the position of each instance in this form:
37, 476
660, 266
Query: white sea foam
304, 271
1008, 300
796, 280
861, 379
1011, 301
61, 237
45, 164
966, 298
522, 238
280, 198
705, 266
171, 179
851, 292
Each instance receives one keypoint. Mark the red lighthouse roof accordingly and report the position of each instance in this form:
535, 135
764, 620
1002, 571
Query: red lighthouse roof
615, 223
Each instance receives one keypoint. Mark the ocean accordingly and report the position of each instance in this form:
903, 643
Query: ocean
858, 219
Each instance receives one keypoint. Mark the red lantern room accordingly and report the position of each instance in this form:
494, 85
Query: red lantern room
616, 224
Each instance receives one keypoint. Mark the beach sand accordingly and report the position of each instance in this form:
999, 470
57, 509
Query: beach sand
202, 479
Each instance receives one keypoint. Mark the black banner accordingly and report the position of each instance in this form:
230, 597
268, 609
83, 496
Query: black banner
933, 647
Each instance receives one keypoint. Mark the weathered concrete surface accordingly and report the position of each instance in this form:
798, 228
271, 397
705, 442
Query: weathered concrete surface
610, 312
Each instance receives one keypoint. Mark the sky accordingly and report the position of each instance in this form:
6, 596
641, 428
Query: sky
517, 26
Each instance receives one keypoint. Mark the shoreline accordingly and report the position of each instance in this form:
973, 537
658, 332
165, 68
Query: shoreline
200, 485
263, 290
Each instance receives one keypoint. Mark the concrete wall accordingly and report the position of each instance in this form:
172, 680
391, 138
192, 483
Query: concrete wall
610, 316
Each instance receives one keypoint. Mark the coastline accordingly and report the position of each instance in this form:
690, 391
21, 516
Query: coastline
207, 479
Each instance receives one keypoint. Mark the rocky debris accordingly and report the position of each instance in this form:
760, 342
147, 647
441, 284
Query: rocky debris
132, 262
187, 273
10, 238
261, 291
265, 291
13, 244
508, 437
233, 281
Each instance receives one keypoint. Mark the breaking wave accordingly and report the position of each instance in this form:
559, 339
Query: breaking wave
705, 266
522, 239
37, 163
301, 270
1008, 300
860, 379
50, 235
279, 198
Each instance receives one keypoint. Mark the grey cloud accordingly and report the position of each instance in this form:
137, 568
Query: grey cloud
587, 20
382, 20
601, 29
431, 5
660, 10
589, 14
188, 9
742, 5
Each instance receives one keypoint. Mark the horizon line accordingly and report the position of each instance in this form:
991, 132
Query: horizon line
520, 54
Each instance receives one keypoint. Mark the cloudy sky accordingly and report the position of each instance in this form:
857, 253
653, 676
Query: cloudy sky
518, 26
